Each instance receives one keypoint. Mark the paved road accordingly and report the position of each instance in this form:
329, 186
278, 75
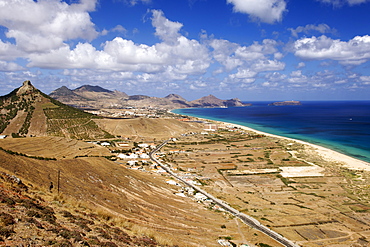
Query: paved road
245, 218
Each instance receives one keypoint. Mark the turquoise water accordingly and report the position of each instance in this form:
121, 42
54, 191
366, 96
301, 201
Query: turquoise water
343, 126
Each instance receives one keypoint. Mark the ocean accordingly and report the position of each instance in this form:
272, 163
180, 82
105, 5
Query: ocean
343, 126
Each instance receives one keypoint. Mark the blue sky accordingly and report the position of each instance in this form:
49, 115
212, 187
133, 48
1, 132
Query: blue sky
249, 49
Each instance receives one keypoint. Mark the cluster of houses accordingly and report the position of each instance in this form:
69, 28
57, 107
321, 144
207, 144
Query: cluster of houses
129, 112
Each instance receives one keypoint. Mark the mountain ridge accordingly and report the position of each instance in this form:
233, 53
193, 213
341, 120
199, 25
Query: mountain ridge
98, 97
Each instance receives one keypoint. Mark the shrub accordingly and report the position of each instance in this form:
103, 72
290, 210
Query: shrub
64, 244
6, 219
108, 244
6, 232
35, 222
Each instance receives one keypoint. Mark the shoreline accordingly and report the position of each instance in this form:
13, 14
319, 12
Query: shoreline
326, 153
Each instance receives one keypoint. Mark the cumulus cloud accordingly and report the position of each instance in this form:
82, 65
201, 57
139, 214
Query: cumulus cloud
338, 3
301, 65
321, 28
365, 80
354, 52
45, 25
174, 58
134, 2
233, 55
166, 30
275, 77
297, 77
268, 11
244, 63
9, 66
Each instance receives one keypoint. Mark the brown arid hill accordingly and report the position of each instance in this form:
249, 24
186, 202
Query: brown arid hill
97, 97
26, 111
101, 203
212, 101
147, 127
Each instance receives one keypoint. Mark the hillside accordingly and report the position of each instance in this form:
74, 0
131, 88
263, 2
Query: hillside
148, 128
100, 204
97, 97
26, 111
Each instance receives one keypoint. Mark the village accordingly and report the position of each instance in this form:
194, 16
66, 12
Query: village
135, 156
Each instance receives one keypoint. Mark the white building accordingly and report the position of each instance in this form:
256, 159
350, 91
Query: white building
129, 156
200, 197
143, 145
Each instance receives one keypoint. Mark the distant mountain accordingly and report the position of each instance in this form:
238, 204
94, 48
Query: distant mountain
64, 94
89, 88
88, 96
175, 97
97, 97
26, 111
207, 101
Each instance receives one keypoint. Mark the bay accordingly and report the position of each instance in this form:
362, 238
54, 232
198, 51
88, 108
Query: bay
343, 126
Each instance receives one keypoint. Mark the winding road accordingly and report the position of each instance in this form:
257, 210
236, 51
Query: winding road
250, 221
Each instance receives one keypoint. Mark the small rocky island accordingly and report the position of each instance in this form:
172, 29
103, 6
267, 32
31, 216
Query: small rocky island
289, 102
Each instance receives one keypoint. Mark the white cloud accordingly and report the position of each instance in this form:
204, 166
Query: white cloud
338, 3
297, 77
301, 65
269, 84
9, 51
319, 85
9, 66
275, 77
166, 30
45, 25
365, 80
134, 2
341, 81
268, 65
119, 29
278, 55
256, 50
183, 55
247, 60
223, 52
354, 52
321, 28
243, 73
268, 11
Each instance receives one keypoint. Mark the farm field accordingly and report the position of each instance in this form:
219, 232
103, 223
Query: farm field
284, 185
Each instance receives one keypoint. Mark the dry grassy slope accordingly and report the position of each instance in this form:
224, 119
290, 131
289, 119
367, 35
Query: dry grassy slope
27, 218
140, 198
57, 147
38, 126
16, 123
145, 127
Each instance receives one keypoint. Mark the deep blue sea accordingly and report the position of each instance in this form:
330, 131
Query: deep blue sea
343, 126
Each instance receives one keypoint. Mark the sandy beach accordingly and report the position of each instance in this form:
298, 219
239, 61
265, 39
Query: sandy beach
325, 153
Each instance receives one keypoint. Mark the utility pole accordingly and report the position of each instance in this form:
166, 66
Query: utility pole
58, 185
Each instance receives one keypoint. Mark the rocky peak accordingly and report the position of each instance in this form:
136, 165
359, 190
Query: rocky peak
26, 88
174, 97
